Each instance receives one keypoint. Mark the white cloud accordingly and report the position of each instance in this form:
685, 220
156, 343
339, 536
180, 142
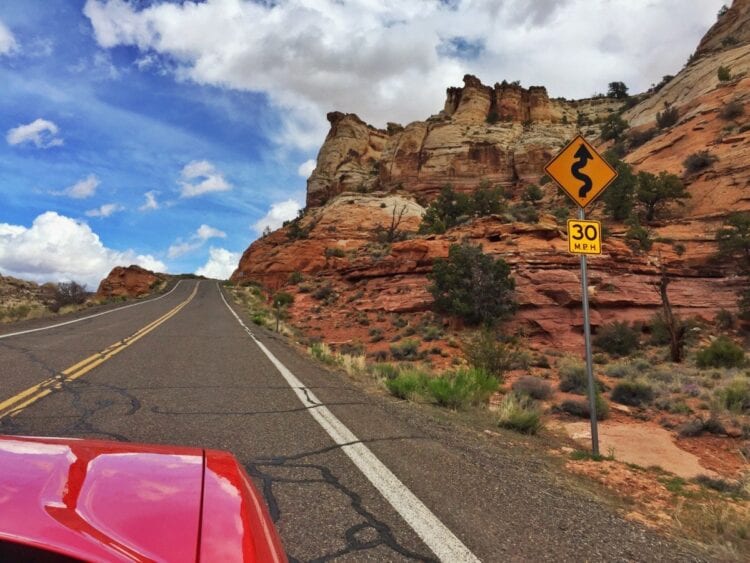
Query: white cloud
306, 168
105, 210
8, 42
82, 189
206, 232
280, 211
58, 248
41, 133
391, 60
150, 204
200, 177
220, 265
196, 240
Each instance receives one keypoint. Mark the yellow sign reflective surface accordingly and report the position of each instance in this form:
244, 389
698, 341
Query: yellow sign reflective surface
581, 171
584, 237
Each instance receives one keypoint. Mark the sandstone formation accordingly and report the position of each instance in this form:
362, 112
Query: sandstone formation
503, 134
130, 281
731, 28
358, 286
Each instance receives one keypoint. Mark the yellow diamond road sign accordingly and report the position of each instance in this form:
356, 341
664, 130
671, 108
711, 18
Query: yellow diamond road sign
581, 171
584, 237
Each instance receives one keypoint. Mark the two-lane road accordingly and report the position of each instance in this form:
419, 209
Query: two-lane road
346, 476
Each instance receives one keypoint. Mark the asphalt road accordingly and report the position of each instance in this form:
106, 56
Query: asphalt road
328, 457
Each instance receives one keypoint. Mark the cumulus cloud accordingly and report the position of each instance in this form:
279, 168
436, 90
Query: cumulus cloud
220, 265
196, 240
306, 168
82, 189
391, 60
105, 210
41, 133
278, 213
58, 248
201, 177
150, 204
8, 42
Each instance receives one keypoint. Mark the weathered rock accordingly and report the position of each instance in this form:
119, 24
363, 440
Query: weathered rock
130, 281
731, 28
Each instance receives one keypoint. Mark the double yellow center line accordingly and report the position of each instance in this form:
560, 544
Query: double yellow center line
17, 403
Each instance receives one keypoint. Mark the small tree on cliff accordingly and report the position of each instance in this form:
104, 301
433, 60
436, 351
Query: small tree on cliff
617, 90
447, 211
734, 247
656, 192
619, 198
473, 285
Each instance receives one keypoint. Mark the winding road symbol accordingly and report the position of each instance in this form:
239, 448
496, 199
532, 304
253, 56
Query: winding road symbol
583, 156
581, 172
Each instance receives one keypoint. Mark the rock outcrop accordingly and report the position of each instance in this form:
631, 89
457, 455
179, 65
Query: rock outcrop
503, 134
130, 281
357, 284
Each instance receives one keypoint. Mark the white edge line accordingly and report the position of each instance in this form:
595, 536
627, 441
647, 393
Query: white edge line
19, 333
436, 535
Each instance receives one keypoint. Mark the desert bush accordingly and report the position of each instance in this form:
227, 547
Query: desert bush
616, 338
735, 396
295, 278
533, 193
462, 388
406, 350
632, 392
638, 237
408, 384
723, 74
722, 352
619, 370
732, 110
580, 407
518, 412
636, 139
68, 293
376, 335
534, 387
724, 319
334, 252
472, 285
525, 213
446, 211
430, 333
698, 161
324, 293
259, 318
385, 371
668, 117
486, 352
572, 376
321, 352
614, 127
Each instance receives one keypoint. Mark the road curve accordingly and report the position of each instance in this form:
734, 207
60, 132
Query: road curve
199, 379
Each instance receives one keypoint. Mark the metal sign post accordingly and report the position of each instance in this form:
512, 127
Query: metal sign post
583, 175
587, 341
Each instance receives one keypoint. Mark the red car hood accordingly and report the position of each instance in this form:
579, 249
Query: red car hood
109, 501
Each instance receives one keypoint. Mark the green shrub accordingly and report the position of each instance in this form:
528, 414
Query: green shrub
463, 387
259, 318
724, 319
525, 213
736, 395
616, 338
295, 278
633, 392
619, 370
408, 384
580, 407
533, 193
324, 293
573, 377
321, 352
376, 335
668, 117
334, 251
732, 110
430, 333
385, 371
698, 161
445, 212
534, 387
484, 351
472, 285
406, 350
518, 412
638, 237
614, 127
722, 352
723, 74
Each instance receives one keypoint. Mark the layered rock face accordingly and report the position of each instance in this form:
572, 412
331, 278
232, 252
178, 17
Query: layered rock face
503, 134
130, 281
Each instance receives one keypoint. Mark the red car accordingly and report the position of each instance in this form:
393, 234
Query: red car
66, 499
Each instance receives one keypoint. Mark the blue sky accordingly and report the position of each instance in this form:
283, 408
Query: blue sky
212, 112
